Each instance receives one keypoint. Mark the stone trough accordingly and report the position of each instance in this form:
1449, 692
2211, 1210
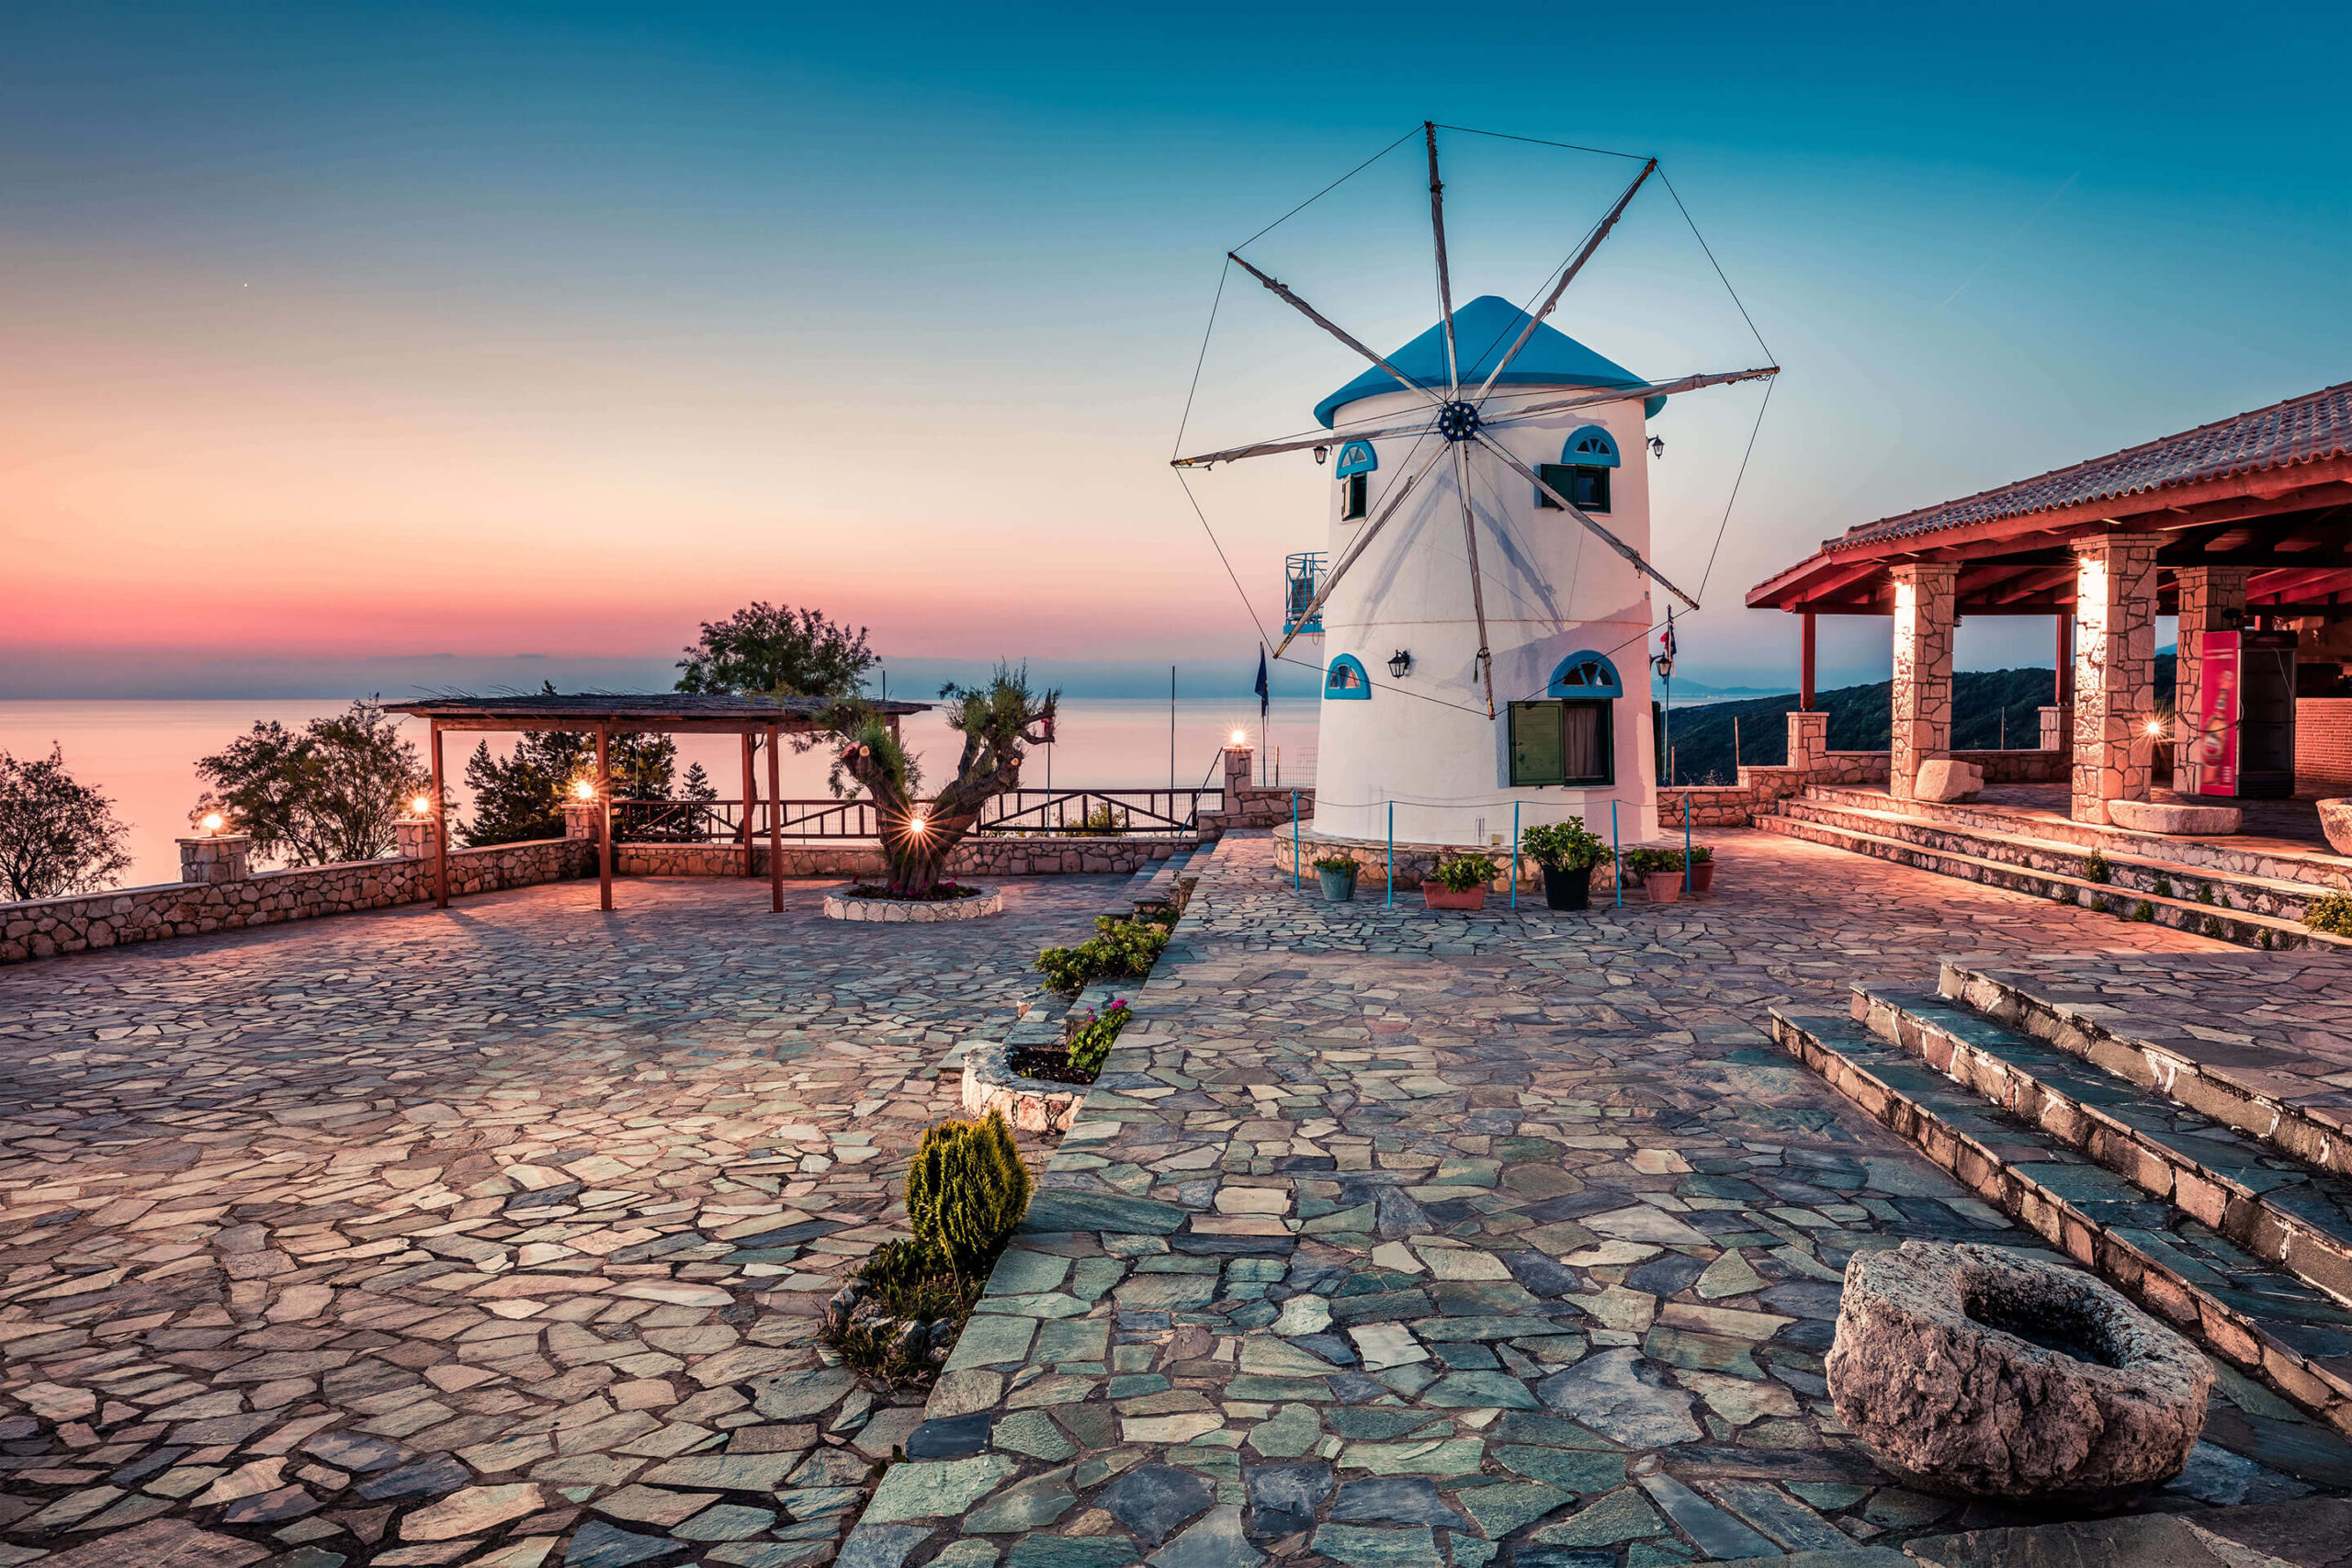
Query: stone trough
1981, 1372
843, 905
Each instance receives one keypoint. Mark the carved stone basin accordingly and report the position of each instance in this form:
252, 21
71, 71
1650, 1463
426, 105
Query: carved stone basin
1985, 1372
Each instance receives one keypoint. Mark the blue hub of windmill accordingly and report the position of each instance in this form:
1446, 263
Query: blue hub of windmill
1457, 422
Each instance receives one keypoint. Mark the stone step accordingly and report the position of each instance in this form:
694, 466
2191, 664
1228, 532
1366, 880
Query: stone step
2315, 866
2257, 1317
2136, 870
2262, 1200
2300, 1117
2243, 927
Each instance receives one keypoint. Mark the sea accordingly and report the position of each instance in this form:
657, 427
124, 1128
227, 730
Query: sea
142, 754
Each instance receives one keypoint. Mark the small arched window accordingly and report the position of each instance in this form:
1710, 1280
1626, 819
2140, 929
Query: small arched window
1585, 674
1345, 682
1581, 474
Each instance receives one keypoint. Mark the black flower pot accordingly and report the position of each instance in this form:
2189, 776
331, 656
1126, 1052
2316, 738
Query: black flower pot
1567, 888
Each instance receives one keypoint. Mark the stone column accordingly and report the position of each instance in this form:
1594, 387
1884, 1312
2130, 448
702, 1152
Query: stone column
1808, 738
219, 858
1923, 625
412, 837
2115, 648
580, 819
2054, 728
2212, 599
1238, 762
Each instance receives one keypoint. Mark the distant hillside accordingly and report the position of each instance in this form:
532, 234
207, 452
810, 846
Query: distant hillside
1862, 719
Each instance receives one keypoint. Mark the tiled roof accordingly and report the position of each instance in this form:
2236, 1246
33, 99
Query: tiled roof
2309, 429
621, 705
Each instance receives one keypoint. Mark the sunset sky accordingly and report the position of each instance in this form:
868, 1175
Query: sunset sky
343, 337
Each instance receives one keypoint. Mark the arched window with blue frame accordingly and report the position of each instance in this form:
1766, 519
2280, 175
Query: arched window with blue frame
1357, 461
1585, 674
1345, 681
1581, 476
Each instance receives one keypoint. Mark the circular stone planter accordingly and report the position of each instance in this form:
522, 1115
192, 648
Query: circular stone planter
840, 906
1984, 1372
2336, 821
1032, 1105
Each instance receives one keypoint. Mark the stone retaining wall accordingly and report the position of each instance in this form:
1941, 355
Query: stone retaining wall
47, 926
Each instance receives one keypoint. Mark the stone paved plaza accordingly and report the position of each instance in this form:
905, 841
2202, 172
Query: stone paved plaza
1392, 1238
495, 1237
379, 1237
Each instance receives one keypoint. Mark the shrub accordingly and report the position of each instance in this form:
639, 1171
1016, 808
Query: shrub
966, 1190
1459, 873
2163, 886
1700, 854
1639, 864
2331, 914
1346, 863
1089, 1043
1125, 951
2096, 869
2144, 913
2205, 895
1103, 822
1564, 846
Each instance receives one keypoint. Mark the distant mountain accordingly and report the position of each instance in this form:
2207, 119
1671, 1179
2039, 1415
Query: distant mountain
1861, 719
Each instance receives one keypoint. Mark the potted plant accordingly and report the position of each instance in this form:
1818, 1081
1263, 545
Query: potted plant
1569, 855
1703, 869
1458, 882
1337, 876
1659, 871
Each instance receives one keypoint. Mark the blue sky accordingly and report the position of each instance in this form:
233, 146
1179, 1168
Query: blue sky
617, 317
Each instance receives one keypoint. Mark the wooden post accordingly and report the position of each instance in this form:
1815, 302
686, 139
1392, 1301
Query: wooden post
751, 793
2065, 695
604, 816
440, 829
775, 826
1804, 691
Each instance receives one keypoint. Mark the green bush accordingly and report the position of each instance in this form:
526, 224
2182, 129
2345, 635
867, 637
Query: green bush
1459, 873
2205, 895
1639, 864
1346, 863
1564, 846
2163, 886
2331, 914
1103, 822
966, 1190
2096, 869
1089, 1043
2145, 912
1125, 951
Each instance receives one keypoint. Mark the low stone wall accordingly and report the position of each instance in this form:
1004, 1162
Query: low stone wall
1257, 806
47, 926
2019, 767
978, 856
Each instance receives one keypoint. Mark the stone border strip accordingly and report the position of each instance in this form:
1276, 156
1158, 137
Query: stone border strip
2246, 1217
840, 905
2142, 1275
2318, 1135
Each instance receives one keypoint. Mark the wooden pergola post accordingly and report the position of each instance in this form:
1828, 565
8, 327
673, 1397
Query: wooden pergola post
1804, 689
751, 794
604, 816
440, 828
775, 825
2064, 697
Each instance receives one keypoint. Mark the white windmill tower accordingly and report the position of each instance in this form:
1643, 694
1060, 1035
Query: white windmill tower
1488, 605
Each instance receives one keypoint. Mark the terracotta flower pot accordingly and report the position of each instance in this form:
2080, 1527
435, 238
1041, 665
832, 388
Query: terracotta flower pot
1703, 875
1663, 886
1439, 898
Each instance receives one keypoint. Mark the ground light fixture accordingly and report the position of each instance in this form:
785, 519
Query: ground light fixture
1400, 664
1239, 736
582, 790
918, 825
213, 822
2156, 727
420, 807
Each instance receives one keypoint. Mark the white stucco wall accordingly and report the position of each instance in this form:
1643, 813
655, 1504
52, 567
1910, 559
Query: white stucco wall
1552, 589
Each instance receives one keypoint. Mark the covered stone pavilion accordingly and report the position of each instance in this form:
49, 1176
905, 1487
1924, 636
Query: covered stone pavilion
2245, 521
607, 715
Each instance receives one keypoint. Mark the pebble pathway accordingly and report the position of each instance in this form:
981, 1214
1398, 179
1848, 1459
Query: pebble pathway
1394, 1239
492, 1236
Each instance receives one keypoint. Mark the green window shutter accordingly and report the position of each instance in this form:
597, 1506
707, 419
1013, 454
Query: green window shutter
1561, 478
1538, 743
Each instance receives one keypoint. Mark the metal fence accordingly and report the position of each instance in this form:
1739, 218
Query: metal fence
1072, 813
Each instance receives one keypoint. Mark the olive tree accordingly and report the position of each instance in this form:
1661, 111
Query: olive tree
327, 792
57, 835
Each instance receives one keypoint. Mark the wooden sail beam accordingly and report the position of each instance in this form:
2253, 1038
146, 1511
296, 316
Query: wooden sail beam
1564, 504
1388, 506
1568, 276
1445, 280
1477, 589
1328, 325
1653, 390
1298, 443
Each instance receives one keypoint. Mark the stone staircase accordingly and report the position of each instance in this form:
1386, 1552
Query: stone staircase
2254, 897
2228, 1234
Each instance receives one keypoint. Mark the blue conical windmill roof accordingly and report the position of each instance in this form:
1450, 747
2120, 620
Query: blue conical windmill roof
1483, 330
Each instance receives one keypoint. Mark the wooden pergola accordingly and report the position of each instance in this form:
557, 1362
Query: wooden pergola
669, 713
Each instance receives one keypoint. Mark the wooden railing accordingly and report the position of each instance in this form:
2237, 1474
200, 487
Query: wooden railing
1073, 813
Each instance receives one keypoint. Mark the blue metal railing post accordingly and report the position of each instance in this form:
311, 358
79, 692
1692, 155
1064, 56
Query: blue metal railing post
1686, 842
1514, 854
1294, 841
1392, 854
1617, 857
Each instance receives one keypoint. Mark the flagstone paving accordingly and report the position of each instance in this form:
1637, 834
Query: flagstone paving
1391, 1238
490, 1235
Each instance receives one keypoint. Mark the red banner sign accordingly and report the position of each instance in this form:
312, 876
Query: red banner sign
2215, 744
